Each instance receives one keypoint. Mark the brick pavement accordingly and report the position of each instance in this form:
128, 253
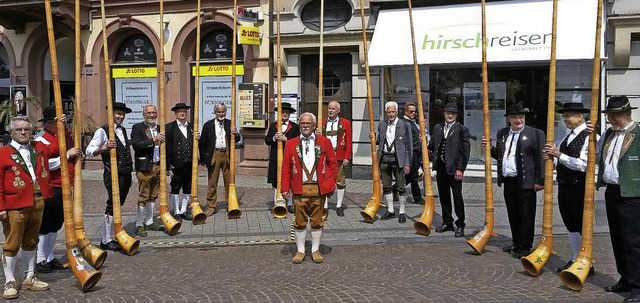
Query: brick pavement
384, 261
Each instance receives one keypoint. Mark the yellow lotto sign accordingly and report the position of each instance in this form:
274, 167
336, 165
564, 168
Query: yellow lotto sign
249, 35
218, 70
135, 72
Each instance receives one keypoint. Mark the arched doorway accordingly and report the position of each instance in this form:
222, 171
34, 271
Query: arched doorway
65, 50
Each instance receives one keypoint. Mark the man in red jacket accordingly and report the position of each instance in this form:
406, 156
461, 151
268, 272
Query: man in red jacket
309, 170
24, 184
53, 214
338, 131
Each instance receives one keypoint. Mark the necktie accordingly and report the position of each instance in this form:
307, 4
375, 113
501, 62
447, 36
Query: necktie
618, 134
513, 137
446, 130
306, 142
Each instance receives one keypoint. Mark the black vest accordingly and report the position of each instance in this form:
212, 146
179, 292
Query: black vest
184, 149
443, 144
123, 154
566, 175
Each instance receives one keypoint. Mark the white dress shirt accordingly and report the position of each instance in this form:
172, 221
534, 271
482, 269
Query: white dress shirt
100, 138
611, 174
220, 134
309, 156
156, 149
580, 163
183, 128
509, 168
333, 125
25, 152
391, 136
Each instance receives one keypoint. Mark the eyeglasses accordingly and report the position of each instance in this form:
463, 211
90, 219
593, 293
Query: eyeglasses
21, 130
411, 111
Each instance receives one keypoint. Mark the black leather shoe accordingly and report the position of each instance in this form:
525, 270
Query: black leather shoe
177, 217
187, 216
290, 208
509, 248
444, 228
56, 264
402, 218
43, 267
519, 253
592, 271
112, 245
632, 299
566, 266
418, 200
617, 288
340, 212
459, 232
388, 216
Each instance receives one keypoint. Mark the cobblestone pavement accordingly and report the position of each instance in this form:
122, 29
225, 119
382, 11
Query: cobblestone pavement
249, 259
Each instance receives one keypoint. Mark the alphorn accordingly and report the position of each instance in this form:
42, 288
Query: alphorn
279, 209
86, 275
196, 210
233, 209
129, 244
478, 241
93, 254
577, 273
423, 225
370, 211
534, 262
325, 212
171, 225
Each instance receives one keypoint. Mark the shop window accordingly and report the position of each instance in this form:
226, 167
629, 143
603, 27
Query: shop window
336, 14
136, 48
330, 83
217, 45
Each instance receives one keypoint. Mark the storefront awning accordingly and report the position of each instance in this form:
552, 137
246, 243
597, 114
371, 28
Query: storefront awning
516, 31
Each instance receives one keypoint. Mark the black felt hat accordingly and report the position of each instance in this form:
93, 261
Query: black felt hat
180, 105
48, 113
572, 107
618, 104
287, 106
516, 109
121, 106
451, 107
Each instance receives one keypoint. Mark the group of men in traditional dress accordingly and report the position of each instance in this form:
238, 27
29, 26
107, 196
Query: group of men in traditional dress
313, 169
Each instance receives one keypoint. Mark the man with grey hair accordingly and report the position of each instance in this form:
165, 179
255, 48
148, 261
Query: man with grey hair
24, 184
394, 157
309, 171
146, 139
214, 154
338, 130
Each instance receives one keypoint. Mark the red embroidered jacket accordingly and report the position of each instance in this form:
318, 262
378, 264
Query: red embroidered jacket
53, 151
344, 147
326, 166
16, 184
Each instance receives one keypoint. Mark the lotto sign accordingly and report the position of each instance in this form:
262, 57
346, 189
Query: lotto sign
248, 35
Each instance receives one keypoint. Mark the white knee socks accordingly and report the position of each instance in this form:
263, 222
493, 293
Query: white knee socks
108, 229
389, 199
28, 262
402, 199
576, 240
42, 247
140, 216
9, 266
301, 234
185, 202
340, 194
316, 234
151, 206
175, 199
51, 242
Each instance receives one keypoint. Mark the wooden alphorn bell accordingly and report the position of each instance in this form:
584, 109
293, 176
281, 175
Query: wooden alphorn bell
575, 276
233, 208
478, 241
534, 262
196, 210
279, 209
86, 275
91, 253
370, 211
423, 225
129, 244
171, 225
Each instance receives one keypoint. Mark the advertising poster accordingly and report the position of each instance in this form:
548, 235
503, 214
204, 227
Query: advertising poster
473, 108
136, 93
18, 95
251, 105
215, 90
